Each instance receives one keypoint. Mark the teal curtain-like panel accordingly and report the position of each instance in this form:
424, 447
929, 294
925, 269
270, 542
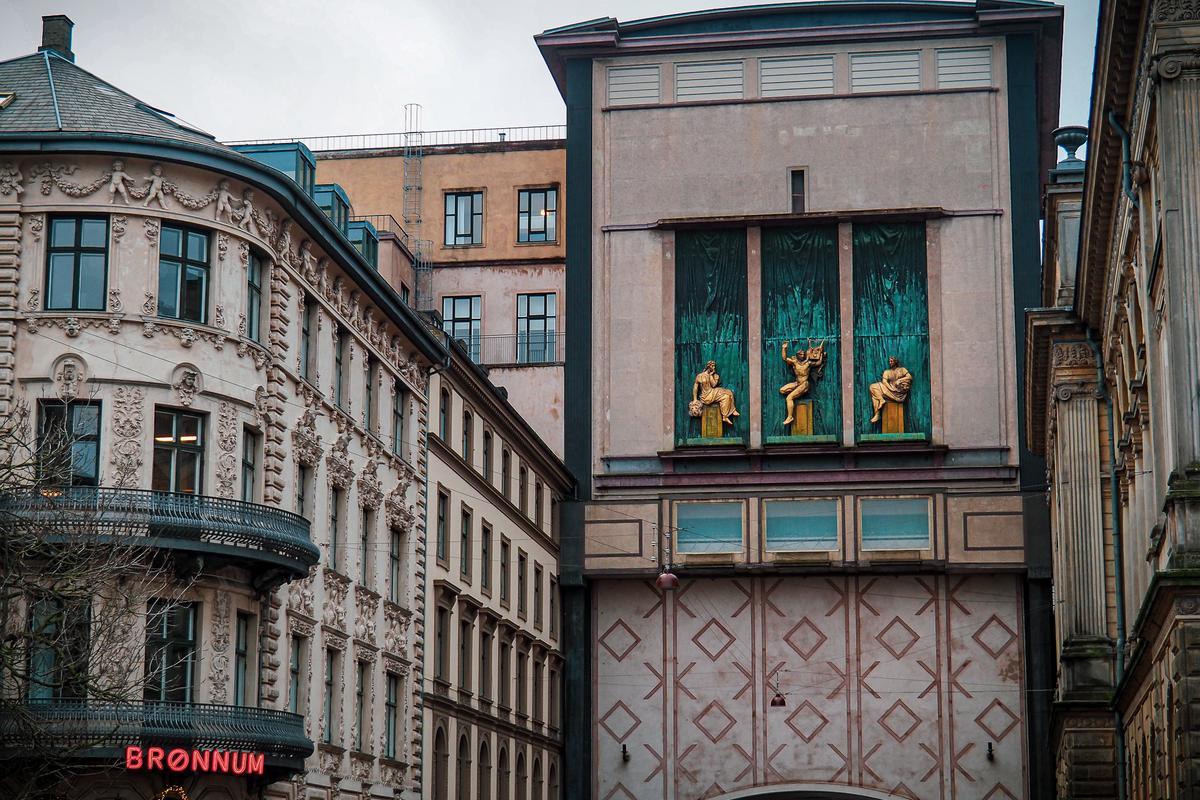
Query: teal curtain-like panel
800, 302
710, 322
891, 318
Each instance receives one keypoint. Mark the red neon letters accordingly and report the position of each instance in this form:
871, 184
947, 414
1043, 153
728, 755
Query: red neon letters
177, 759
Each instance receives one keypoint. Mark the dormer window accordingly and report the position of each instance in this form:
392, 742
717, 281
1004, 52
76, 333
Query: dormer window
6, 98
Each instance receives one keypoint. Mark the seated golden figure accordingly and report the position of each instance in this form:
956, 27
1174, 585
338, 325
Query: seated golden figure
707, 391
893, 387
803, 365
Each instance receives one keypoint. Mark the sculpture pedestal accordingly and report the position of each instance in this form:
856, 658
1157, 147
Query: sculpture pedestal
802, 418
893, 417
710, 423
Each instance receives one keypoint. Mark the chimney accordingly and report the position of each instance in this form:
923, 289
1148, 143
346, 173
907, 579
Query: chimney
56, 35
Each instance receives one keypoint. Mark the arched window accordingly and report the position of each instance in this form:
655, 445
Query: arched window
553, 795
462, 778
522, 778
485, 772
537, 779
502, 775
441, 766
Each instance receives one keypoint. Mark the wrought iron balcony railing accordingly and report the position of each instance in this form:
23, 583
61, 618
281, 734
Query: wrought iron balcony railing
80, 729
515, 349
210, 525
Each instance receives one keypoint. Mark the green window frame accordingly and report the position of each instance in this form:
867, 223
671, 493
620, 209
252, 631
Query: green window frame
77, 263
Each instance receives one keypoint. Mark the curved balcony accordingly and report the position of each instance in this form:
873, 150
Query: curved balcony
86, 730
215, 527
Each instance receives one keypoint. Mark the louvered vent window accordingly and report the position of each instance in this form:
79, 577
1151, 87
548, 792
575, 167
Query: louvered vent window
964, 66
709, 80
633, 85
786, 77
885, 72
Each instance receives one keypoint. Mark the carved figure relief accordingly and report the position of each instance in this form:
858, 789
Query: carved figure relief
397, 512
305, 439
245, 219
370, 488
227, 438
395, 636
365, 604
807, 366
117, 183
336, 588
186, 383
893, 387
69, 374
338, 462
154, 189
220, 646
300, 595
707, 393
127, 435
224, 203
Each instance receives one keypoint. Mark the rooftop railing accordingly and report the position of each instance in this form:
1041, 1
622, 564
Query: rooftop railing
213, 525
400, 139
515, 349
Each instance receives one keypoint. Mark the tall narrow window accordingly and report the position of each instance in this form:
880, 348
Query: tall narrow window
254, 295
522, 583
553, 613
77, 264
178, 452
485, 665
522, 682
251, 446
464, 547
537, 328
443, 506
797, 176
465, 632
523, 489
341, 362
506, 474
396, 562
539, 512
399, 416
461, 320
537, 215
170, 651
504, 679
336, 498
505, 550
440, 645
464, 218
391, 708
444, 415
554, 701
537, 596
241, 660
365, 527
485, 556
304, 491
296, 673
538, 671
58, 646
69, 444
183, 274
468, 436
328, 705
308, 328
360, 703
487, 458
370, 411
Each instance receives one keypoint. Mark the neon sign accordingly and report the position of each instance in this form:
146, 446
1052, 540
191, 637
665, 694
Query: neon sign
179, 759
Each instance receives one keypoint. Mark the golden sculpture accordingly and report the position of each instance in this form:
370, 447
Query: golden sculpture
806, 365
707, 393
889, 395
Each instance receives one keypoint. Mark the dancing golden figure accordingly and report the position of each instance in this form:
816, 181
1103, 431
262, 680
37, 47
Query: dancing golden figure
892, 387
707, 391
806, 367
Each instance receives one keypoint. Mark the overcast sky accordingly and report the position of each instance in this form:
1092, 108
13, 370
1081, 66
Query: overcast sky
249, 69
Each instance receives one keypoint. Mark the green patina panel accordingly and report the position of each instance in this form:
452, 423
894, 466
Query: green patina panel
710, 322
800, 302
891, 318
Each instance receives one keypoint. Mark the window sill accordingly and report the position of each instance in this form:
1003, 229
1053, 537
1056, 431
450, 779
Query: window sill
547, 243
893, 437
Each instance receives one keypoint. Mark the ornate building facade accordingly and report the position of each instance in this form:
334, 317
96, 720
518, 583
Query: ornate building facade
247, 396
809, 555
1114, 364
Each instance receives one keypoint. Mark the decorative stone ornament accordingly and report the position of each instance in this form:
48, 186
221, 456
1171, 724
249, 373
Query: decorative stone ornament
341, 473
69, 375
370, 488
227, 438
126, 455
186, 382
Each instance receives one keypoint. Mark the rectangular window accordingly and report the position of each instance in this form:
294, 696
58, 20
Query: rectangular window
522, 583
523, 489
505, 556
894, 523
57, 653
795, 76
537, 334
537, 596
635, 85
504, 681
468, 438
405, 293
538, 671
885, 72
709, 80
801, 525
296, 675
443, 506
308, 327
708, 527
485, 665
365, 528
77, 264
254, 297
336, 498
537, 215
178, 451
170, 651
506, 474
539, 511
485, 557
461, 319
464, 655
241, 660
390, 715
553, 606
396, 563
487, 457
399, 417
69, 442
464, 545
522, 680
464, 218
370, 411
360, 703
341, 363
797, 191
183, 274
440, 655
444, 416
555, 715
251, 446
304, 491
964, 66
328, 706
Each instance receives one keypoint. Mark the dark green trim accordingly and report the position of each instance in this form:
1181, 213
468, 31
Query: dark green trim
815, 439
724, 441
893, 437
283, 189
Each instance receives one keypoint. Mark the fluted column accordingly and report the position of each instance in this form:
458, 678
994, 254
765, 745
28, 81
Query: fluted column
1078, 509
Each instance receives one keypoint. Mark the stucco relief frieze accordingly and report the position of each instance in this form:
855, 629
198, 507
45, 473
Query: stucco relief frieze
36, 223
186, 334
305, 439
370, 488
360, 766
219, 675
119, 224
11, 180
337, 463
151, 228
1176, 10
126, 456
336, 588
395, 629
366, 603
398, 513
1074, 355
301, 594
72, 325
227, 438
219, 317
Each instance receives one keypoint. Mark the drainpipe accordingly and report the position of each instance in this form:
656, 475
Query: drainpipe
1126, 162
1118, 549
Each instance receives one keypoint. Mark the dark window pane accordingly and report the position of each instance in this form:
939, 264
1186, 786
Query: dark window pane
62, 233
62, 278
190, 429
91, 281
87, 420
197, 246
168, 289
164, 426
93, 233
187, 468
195, 280
161, 478
170, 241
